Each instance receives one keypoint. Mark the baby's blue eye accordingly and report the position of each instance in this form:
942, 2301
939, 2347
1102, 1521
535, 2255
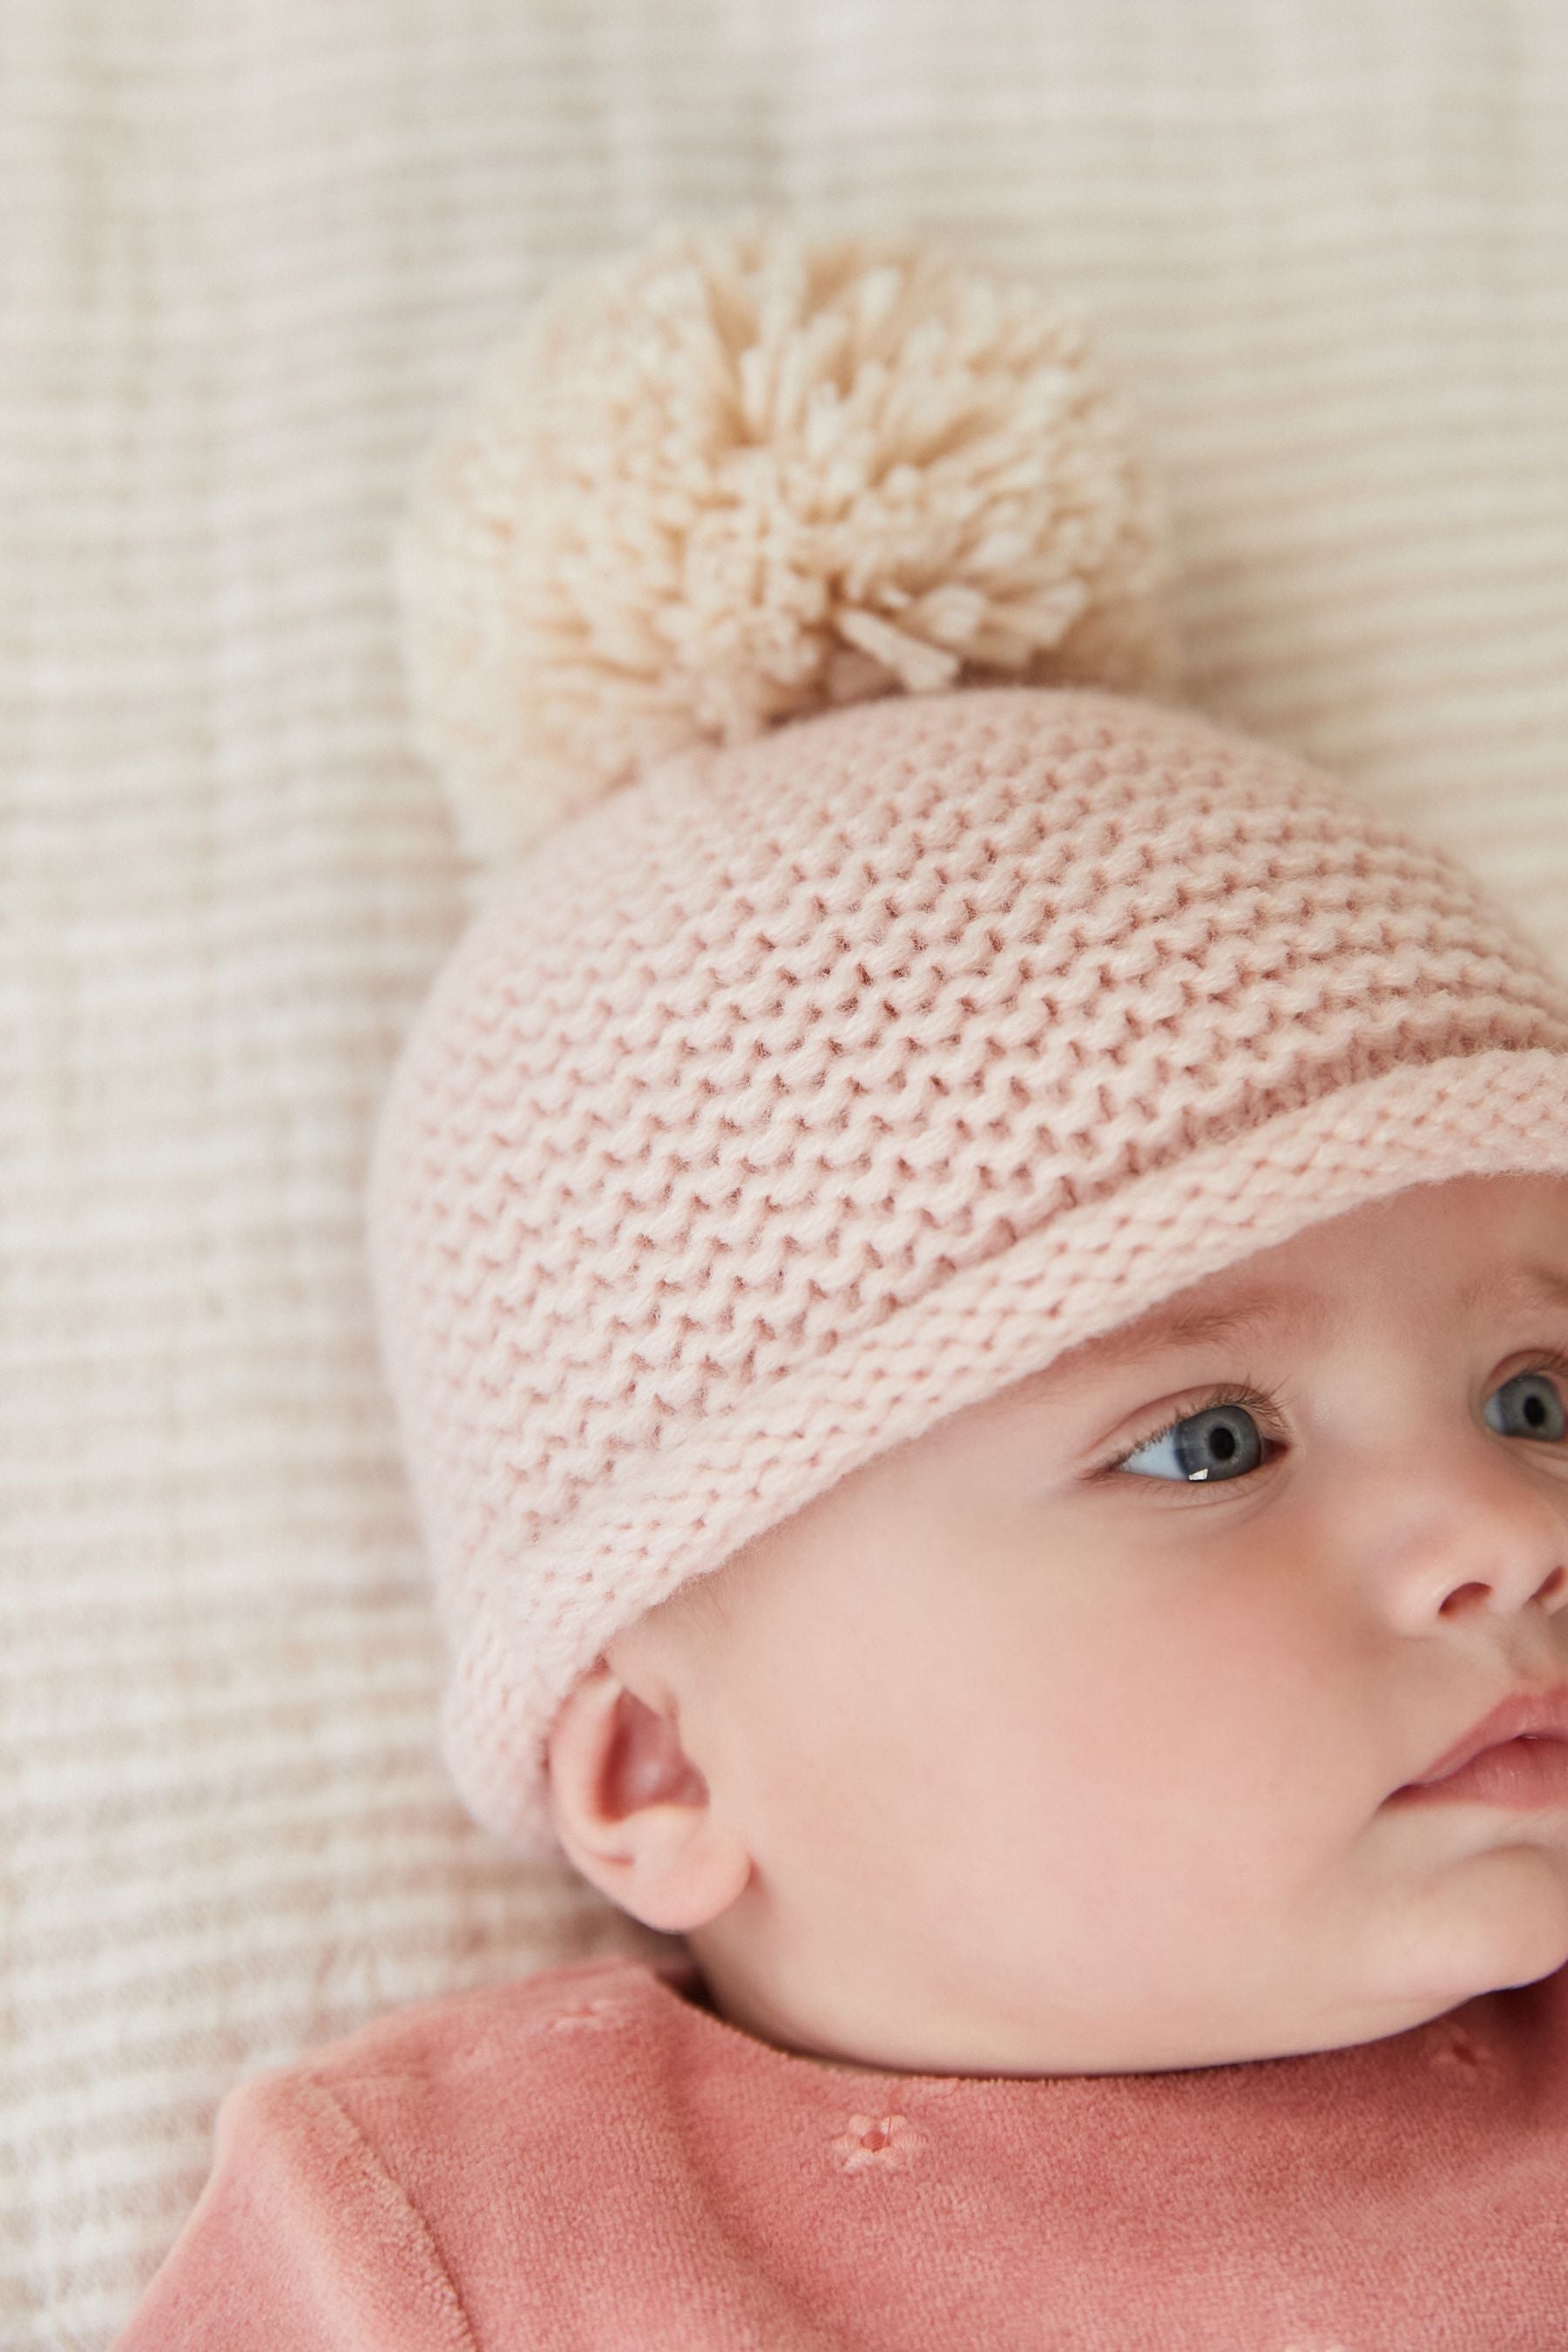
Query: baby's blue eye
1221, 1441
1529, 1406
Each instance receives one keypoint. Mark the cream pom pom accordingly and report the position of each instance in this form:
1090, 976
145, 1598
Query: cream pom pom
745, 473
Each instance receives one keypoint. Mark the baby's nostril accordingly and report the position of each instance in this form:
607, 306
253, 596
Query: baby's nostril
1458, 1598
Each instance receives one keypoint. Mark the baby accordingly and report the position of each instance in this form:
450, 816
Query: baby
1084, 1734
976, 1287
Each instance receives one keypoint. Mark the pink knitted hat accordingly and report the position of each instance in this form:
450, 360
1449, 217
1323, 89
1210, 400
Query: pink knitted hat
806, 1074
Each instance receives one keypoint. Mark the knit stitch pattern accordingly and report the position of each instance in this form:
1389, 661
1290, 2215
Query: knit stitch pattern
807, 1090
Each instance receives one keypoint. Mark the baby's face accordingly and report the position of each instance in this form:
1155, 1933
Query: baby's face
1048, 1756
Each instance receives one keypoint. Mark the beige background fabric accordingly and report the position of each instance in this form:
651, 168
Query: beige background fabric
254, 248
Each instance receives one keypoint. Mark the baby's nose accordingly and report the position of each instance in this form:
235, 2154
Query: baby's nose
1490, 1532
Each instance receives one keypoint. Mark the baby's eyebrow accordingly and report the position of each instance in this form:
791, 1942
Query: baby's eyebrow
1300, 1312
1268, 1308
1520, 1285
1308, 1313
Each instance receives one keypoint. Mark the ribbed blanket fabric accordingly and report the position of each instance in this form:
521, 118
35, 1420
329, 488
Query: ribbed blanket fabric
253, 251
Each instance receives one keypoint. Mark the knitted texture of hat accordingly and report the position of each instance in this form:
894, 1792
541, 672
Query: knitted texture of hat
807, 1090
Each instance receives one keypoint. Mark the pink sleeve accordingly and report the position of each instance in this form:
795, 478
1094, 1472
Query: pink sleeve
301, 2237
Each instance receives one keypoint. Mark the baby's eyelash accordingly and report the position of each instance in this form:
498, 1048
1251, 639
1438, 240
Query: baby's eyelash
1553, 1360
1265, 1409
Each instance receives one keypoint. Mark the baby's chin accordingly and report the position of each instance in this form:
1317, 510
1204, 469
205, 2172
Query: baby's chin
1495, 1923
1496, 1919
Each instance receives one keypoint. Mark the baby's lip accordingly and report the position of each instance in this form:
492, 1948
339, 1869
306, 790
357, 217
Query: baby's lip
1527, 1714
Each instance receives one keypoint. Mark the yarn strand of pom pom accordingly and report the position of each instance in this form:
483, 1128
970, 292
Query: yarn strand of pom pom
745, 473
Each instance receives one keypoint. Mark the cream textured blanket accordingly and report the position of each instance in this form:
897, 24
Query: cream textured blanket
252, 251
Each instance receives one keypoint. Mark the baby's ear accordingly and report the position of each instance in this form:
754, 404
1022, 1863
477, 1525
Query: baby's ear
632, 1811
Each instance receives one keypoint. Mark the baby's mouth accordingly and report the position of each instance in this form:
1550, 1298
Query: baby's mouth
1529, 1771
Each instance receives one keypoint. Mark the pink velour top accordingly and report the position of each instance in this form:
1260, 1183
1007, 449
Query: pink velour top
591, 2159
